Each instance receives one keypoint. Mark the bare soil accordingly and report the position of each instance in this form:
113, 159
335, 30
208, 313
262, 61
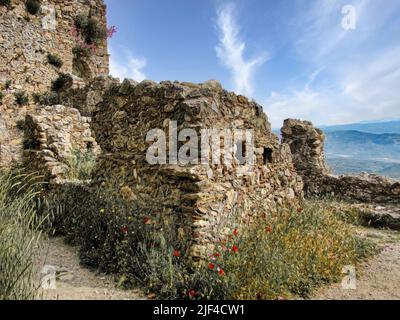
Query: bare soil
378, 278
74, 282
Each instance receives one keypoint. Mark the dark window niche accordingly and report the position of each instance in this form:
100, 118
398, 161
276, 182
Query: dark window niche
267, 155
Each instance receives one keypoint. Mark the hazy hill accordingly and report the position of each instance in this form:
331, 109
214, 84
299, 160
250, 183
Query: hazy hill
378, 127
366, 146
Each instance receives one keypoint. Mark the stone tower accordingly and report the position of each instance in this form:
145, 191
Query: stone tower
27, 39
72, 32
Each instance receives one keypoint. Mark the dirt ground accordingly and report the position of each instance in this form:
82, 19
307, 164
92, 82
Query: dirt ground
376, 279
74, 282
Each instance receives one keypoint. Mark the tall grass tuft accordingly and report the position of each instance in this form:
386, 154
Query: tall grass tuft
19, 236
80, 165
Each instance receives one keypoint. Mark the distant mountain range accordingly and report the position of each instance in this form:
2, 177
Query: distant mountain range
378, 127
372, 147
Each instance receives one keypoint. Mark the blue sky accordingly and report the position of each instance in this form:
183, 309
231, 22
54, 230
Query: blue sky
292, 56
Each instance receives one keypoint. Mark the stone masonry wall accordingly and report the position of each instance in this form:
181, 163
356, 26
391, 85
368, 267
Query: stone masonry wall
25, 41
51, 134
307, 147
208, 199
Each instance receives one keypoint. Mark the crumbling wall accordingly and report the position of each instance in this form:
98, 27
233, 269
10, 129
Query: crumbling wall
208, 198
51, 134
86, 98
307, 147
26, 40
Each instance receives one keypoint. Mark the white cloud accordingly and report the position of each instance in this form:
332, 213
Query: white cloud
231, 50
360, 73
127, 66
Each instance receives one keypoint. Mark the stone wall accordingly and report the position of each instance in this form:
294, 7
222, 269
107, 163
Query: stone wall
25, 41
86, 98
307, 147
51, 134
207, 198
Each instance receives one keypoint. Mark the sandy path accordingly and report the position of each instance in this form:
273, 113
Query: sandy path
378, 278
76, 282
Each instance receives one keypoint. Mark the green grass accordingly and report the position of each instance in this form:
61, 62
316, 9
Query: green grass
80, 165
19, 236
289, 254
282, 254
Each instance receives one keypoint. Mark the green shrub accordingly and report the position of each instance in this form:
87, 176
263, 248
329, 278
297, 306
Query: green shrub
81, 52
33, 6
1, 96
62, 83
5, 3
55, 60
8, 84
90, 29
19, 236
80, 165
284, 254
21, 98
46, 98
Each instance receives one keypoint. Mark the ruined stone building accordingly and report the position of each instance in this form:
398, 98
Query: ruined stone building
29, 41
205, 196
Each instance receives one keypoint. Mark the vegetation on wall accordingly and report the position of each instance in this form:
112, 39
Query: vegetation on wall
1, 96
90, 30
32, 6
8, 84
46, 98
55, 60
62, 83
21, 98
80, 52
5, 3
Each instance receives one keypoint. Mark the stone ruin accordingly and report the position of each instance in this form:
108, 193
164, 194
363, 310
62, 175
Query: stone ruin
307, 147
206, 197
51, 135
26, 40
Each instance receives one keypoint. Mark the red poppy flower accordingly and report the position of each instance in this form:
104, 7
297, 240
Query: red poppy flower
211, 266
146, 220
268, 229
235, 232
124, 229
235, 249
221, 272
192, 294
177, 253
217, 254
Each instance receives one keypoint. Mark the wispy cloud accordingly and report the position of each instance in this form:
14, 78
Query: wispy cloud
356, 72
231, 49
127, 66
